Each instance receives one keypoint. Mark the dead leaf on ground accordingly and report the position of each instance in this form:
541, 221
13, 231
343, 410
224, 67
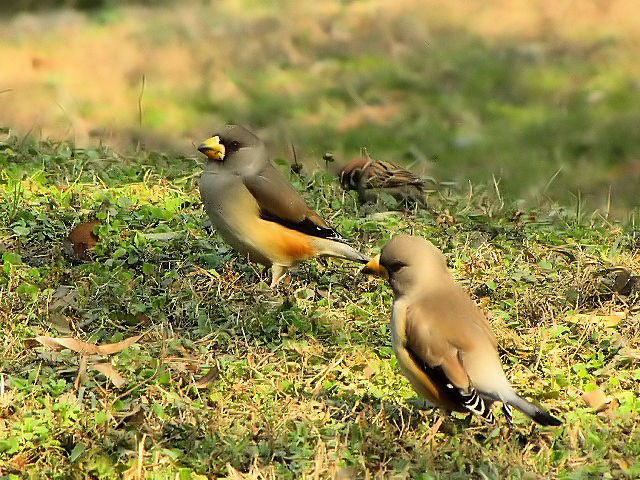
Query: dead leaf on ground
212, 374
111, 348
484, 302
80, 239
369, 371
607, 320
22, 460
622, 463
70, 343
596, 399
234, 474
132, 472
108, 371
632, 353
79, 346
82, 372
445, 218
135, 415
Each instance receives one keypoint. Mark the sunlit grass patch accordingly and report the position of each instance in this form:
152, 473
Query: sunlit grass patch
232, 377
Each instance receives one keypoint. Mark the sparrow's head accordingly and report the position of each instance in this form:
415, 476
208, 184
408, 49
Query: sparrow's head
227, 141
408, 262
352, 171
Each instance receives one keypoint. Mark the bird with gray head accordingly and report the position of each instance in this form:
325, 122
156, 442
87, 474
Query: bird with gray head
443, 342
257, 211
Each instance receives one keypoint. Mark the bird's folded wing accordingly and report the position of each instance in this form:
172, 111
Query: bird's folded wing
387, 175
279, 202
432, 350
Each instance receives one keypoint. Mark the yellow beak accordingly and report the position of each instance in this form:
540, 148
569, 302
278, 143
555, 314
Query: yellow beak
212, 148
374, 268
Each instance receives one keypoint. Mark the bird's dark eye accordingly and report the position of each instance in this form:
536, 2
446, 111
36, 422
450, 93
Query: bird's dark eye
396, 265
234, 145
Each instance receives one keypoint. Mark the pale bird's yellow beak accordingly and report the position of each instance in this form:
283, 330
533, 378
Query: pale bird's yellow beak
212, 148
374, 268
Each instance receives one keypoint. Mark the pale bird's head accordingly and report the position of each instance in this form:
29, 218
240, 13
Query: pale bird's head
409, 263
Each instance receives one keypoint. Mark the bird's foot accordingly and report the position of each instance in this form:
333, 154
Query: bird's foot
508, 413
278, 272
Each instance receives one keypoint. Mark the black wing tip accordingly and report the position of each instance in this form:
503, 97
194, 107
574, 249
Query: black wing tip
306, 226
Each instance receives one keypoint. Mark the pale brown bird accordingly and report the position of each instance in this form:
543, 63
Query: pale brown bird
257, 211
443, 342
371, 177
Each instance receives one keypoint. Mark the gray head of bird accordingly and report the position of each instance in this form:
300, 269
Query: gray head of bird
234, 148
410, 263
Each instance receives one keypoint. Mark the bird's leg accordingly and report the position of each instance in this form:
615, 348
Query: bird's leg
277, 273
508, 413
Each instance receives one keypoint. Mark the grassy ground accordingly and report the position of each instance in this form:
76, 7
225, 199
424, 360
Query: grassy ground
544, 97
233, 380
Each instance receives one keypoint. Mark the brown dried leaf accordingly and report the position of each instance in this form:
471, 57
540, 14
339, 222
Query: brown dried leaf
369, 371
108, 371
484, 302
609, 320
20, 461
82, 372
84, 347
212, 374
69, 343
111, 348
80, 239
622, 463
633, 353
235, 474
596, 399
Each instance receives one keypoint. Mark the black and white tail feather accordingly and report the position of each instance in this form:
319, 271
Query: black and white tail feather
475, 404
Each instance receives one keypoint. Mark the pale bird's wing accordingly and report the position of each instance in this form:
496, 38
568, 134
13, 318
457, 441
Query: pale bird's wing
445, 331
447, 320
279, 202
433, 350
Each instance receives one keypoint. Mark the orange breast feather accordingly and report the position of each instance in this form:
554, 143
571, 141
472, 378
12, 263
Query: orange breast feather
285, 245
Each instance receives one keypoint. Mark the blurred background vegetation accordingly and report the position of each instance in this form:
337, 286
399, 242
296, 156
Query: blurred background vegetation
539, 99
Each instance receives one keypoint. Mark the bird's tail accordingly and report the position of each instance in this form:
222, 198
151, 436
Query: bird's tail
332, 248
476, 404
536, 414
